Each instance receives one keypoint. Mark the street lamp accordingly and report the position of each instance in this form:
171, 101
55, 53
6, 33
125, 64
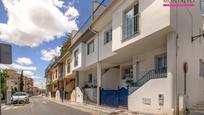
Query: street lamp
5, 58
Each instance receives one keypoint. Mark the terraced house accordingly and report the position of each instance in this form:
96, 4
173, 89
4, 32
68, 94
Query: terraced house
60, 82
135, 54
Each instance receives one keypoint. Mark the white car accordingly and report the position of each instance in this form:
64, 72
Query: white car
20, 97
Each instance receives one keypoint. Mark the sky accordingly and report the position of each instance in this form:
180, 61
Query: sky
37, 28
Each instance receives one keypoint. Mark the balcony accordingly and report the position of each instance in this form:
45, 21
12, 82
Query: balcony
130, 26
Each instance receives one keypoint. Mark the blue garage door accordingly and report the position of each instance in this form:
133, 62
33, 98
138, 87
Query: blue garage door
114, 98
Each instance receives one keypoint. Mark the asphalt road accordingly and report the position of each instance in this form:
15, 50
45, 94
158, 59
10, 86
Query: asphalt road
41, 106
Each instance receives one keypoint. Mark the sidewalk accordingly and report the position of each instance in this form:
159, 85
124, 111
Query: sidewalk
93, 108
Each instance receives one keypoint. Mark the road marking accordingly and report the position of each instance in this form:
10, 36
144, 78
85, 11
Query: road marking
3, 106
7, 108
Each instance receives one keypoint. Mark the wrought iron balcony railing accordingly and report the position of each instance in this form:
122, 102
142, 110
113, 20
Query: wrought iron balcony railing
152, 74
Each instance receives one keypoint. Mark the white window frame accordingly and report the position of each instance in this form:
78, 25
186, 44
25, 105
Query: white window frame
135, 29
106, 34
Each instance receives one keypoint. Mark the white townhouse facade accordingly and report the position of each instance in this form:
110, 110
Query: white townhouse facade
145, 48
60, 81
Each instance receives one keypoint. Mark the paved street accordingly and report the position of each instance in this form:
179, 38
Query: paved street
41, 106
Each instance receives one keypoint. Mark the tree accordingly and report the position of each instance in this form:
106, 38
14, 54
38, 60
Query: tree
3, 76
13, 91
21, 81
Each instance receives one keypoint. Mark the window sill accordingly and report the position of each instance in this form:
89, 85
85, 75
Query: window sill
107, 43
90, 53
131, 37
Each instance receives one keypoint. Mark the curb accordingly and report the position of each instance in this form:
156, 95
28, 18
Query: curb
92, 108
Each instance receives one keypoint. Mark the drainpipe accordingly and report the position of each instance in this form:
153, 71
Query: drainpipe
98, 68
175, 79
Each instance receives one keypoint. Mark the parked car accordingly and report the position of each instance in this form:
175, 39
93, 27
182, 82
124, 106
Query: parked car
20, 97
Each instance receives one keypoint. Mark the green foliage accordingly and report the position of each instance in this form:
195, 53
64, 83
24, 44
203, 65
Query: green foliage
3, 76
129, 82
13, 91
21, 82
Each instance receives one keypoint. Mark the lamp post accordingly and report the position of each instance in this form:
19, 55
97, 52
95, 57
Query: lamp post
5, 58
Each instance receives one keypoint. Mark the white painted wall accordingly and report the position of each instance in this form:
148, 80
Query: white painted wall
83, 77
91, 93
92, 57
105, 50
151, 90
79, 95
57, 95
111, 79
73, 96
150, 20
81, 56
147, 59
190, 52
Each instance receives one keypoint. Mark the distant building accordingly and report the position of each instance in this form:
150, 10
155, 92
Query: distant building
37, 91
28, 85
13, 82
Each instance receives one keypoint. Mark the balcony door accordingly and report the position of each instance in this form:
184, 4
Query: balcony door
131, 19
